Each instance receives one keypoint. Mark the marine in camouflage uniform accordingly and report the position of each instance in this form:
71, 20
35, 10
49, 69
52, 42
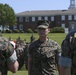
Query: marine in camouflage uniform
7, 56
20, 55
43, 55
67, 61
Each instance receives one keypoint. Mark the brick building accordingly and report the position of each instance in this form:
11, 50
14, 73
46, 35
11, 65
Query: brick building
57, 18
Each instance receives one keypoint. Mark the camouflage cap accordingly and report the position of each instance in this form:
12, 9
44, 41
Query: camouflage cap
43, 24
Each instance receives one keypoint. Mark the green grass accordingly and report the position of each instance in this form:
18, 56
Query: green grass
18, 73
55, 36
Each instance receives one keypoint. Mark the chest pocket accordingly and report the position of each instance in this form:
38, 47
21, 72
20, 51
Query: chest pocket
48, 51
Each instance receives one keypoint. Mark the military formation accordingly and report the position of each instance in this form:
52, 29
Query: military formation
43, 56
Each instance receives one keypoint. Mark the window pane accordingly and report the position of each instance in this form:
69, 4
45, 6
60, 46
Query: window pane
63, 17
39, 18
33, 18
52, 18
63, 25
20, 27
14, 27
74, 17
46, 18
69, 17
27, 19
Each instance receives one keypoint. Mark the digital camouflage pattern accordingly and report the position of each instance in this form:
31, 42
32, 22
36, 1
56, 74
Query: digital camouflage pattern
6, 50
44, 56
21, 52
69, 49
20, 56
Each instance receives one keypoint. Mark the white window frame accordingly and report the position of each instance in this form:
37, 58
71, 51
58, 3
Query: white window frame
63, 25
74, 17
26, 19
46, 18
33, 19
39, 18
72, 1
20, 27
14, 27
63, 17
52, 18
69, 17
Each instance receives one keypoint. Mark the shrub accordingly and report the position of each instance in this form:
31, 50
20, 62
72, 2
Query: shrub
8, 31
21, 31
57, 30
29, 31
35, 31
16, 31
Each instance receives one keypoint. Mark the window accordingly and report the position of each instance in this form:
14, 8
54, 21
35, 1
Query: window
69, 17
27, 19
39, 18
46, 18
21, 27
14, 27
33, 18
74, 17
52, 18
62, 17
20, 19
63, 25
72, 1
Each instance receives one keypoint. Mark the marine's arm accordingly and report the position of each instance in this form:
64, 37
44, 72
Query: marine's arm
11, 58
12, 63
57, 56
29, 59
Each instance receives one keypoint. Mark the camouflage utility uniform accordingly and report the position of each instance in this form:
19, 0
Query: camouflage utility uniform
44, 56
7, 55
68, 56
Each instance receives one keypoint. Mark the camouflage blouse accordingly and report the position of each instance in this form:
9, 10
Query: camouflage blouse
44, 55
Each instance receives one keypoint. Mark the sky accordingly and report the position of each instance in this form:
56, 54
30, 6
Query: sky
30, 5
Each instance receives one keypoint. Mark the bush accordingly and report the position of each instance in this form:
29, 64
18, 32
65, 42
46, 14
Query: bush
8, 31
21, 31
16, 31
35, 31
29, 31
57, 30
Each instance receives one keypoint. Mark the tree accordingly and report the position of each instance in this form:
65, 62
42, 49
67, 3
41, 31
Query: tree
7, 15
2, 14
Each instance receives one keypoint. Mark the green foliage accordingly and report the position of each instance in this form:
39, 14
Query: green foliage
55, 36
35, 31
8, 31
10, 15
29, 31
7, 15
16, 31
18, 73
21, 31
2, 15
57, 30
